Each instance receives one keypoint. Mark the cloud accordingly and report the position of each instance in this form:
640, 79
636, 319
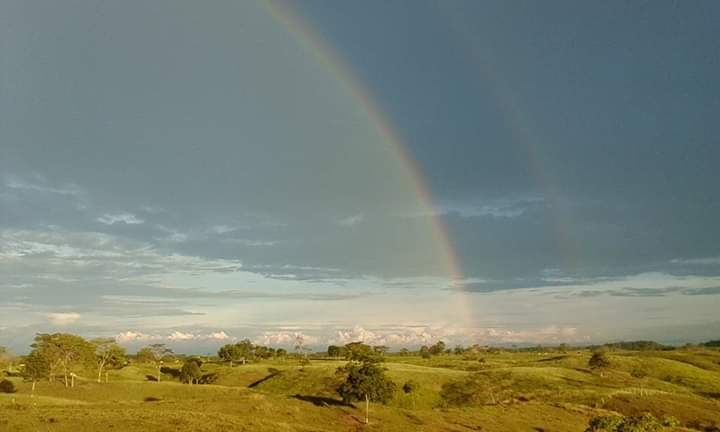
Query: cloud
41, 186
63, 318
126, 218
221, 229
352, 220
637, 285
709, 261
285, 338
408, 337
173, 235
130, 336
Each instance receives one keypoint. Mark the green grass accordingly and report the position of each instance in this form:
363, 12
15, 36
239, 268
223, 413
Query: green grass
531, 392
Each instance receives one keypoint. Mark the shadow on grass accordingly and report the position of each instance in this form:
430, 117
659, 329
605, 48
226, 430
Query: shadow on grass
273, 373
550, 359
322, 401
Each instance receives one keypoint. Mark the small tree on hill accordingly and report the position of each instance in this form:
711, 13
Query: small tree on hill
108, 355
365, 381
190, 371
360, 352
158, 352
425, 352
410, 388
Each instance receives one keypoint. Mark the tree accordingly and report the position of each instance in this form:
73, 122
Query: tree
36, 367
410, 388
381, 349
246, 350
438, 348
108, 355
360, 352
145, 355
65, 352
281, 353
425, 352
157, 352
190, 371
230, 352
333, 351
365, 381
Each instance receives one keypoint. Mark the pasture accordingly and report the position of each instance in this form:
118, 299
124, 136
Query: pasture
521, 392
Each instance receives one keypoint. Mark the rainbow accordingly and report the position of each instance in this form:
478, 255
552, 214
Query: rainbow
314, 45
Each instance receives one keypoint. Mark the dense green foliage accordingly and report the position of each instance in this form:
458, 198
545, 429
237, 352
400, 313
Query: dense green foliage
7, 386
366, 380
190, 372
637, 423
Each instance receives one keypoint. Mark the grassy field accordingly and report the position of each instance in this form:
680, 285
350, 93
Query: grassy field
530, 392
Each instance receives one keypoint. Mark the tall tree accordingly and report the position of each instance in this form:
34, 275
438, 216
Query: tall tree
65, 352
108, 355
159, 353
231, 353
37, 367
246, 350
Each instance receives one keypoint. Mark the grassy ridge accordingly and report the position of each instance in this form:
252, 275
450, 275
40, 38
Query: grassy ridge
531, 391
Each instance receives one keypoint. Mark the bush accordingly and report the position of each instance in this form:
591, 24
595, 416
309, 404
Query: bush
410, 387
599, 359
7, 386
462, 393
641, 423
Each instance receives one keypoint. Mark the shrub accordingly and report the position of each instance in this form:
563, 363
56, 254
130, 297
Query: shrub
462, 393
599, 359
640, 423
410, 387
7, 386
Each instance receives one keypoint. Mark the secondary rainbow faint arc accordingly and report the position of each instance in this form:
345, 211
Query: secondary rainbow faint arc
325, 54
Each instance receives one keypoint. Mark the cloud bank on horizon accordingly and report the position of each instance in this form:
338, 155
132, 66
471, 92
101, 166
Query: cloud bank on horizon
193, 174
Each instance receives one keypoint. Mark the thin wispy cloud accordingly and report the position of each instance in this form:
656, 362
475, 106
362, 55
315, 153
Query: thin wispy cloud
63, 318
352, 220
126, 218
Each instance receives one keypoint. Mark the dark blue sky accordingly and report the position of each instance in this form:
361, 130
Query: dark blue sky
606, 109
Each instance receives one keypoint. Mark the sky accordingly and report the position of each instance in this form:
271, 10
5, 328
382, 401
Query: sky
395, 172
